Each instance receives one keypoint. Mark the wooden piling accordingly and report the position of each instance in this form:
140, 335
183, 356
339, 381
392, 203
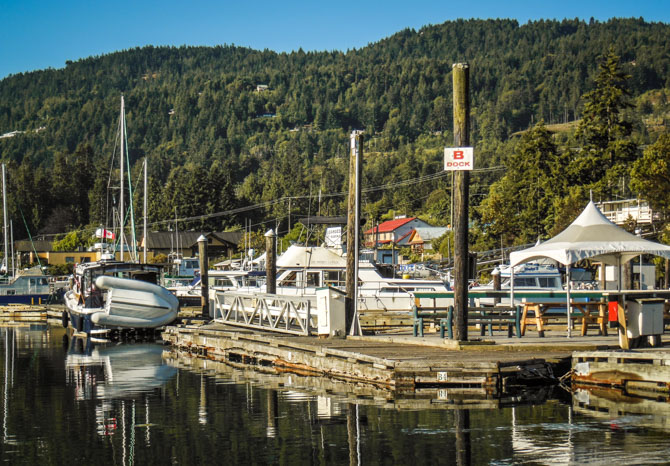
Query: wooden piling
271, 261
461, 82
496, 284
353, 222
204, 266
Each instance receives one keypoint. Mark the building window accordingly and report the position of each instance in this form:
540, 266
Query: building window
69, 259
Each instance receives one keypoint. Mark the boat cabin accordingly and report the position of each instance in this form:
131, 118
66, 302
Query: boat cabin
86, 274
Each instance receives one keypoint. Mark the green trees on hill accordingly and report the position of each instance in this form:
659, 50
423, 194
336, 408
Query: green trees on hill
227, 127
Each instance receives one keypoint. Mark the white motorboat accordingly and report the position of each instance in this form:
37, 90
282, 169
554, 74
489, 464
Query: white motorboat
109, 294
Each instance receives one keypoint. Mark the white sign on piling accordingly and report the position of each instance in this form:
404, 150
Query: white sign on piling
459, 158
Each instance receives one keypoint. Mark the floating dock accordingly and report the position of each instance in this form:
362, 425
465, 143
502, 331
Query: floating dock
635, 372
395, 363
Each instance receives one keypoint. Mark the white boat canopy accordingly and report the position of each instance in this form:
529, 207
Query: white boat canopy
591, 236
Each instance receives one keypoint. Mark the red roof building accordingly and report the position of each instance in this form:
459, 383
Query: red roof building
393, 231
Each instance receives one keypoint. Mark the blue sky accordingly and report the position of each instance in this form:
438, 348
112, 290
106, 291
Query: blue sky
41, 34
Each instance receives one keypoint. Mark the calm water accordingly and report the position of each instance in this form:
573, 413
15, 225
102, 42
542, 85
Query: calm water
63, 403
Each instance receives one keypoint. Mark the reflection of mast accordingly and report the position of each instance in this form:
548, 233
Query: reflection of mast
272, 398
6, 388
146, 420
202, 410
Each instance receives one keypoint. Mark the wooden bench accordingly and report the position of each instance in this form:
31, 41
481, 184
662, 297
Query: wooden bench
485, 317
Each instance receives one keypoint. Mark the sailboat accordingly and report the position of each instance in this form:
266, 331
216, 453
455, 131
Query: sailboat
117, 294
30, 286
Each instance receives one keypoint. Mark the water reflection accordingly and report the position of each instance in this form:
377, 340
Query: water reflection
116, 376
621, 410
115, 370
121, 404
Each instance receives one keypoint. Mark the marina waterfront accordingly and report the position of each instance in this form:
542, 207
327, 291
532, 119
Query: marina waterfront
65, 401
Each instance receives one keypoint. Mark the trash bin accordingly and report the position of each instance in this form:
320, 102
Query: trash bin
645, 319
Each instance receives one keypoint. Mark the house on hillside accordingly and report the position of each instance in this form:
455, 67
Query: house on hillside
621, 210
421, 239
394, 232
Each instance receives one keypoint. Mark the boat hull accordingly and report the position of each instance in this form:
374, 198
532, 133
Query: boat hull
31, 299
129, 304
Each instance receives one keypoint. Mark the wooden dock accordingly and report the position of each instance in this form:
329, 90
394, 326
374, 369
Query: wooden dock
23, 313
273, 378
399, 363
639, 371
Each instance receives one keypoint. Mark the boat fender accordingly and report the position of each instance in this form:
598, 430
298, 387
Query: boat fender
64, 319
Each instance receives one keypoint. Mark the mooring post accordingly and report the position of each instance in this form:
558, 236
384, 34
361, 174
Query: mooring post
204, 266
461, 80
271, 262
496, 283
353, 226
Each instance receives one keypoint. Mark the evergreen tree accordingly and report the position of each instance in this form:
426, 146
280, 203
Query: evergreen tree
650, 176
604, 131
519, 207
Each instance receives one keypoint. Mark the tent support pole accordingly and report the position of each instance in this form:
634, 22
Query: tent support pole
567, 294
511, 286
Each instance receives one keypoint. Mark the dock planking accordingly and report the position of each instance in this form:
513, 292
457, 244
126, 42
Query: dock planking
394, 364
644, 370
274, 379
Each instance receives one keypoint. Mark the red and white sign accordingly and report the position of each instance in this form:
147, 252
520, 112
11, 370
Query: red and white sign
459, 158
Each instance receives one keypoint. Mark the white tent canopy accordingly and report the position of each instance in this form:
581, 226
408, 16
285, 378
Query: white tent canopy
591, 236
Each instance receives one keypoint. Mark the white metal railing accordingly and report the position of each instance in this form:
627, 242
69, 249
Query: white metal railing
277, 313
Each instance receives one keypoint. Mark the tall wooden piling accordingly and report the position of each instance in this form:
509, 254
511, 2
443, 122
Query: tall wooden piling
271, 261
496, 283
353, 224
204, 277
461, 81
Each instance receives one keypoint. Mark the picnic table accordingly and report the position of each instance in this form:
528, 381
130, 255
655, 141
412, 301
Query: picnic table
589, 312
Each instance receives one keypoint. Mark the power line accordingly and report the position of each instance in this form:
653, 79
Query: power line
270, 203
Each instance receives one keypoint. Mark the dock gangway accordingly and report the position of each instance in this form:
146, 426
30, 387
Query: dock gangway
270, 312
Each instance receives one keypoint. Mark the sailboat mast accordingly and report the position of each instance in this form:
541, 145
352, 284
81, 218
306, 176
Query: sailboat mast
11, 249
4, 212
145, 210
122, 210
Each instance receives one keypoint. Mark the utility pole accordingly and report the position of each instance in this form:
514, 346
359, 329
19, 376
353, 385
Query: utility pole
461, 80
353, 229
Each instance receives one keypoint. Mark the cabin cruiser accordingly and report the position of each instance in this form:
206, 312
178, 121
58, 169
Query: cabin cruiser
536, 277
110, 294
26, 287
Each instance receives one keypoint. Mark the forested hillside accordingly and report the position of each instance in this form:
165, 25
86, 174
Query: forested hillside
217, 143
